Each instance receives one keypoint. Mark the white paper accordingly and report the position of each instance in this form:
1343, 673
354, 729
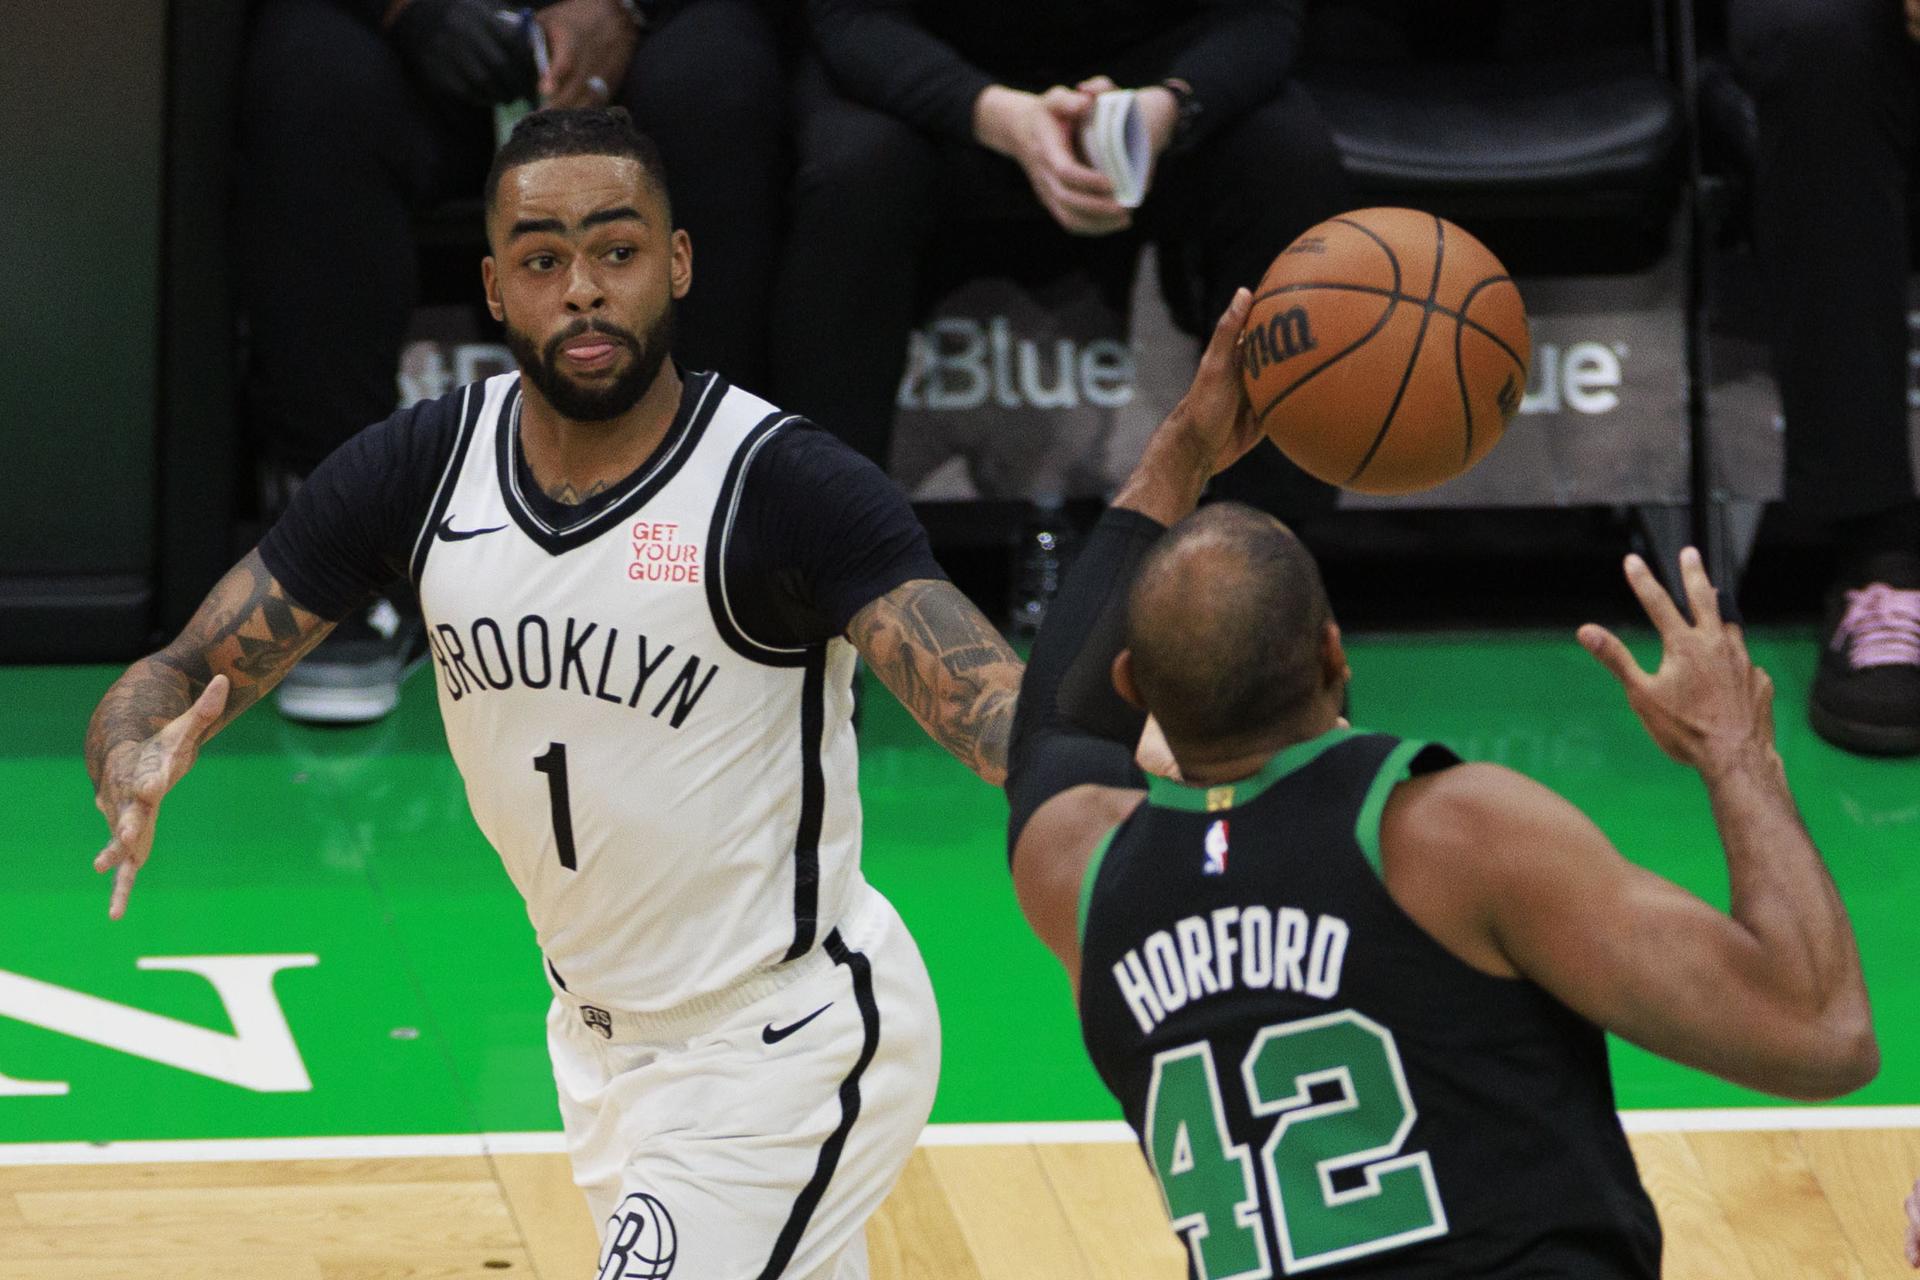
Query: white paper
1114, 141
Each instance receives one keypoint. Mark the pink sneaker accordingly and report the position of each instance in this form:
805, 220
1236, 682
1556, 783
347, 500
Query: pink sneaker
1866, 695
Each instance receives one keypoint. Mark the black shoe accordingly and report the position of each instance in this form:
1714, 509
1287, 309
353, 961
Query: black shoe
354, 675
1866, 695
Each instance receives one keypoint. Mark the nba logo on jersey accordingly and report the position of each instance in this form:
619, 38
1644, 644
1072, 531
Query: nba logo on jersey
1216, 847
640, 1241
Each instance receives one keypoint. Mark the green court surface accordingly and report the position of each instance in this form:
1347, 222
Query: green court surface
412, 992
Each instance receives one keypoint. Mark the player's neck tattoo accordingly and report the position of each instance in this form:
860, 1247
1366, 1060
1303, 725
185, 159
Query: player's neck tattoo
564, 492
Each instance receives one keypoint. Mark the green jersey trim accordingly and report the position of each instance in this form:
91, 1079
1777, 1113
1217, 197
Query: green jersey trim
1394, 770
1086, 881
1167, 794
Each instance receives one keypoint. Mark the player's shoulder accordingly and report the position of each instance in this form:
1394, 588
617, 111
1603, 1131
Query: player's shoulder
431, 424
1470, 797
1478, 823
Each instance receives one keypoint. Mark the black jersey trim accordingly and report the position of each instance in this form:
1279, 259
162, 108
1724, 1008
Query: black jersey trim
470, 408
813, 797
809, 1198
725, 512
703, 392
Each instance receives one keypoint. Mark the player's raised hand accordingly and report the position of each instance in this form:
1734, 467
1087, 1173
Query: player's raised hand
137, 777
1215, 407
1707, 706
1208, 431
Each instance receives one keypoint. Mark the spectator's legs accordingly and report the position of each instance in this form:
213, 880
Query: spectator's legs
1222, 213
336, 149
863, 208
1834, 88
707, 85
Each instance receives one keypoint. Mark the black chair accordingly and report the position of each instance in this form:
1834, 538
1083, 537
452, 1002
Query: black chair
1556, 132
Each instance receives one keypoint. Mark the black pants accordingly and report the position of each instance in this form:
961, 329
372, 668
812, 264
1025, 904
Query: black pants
340, 148
872, 193
1834, 85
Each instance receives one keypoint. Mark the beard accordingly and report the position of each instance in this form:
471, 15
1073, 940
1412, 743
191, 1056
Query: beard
596, 402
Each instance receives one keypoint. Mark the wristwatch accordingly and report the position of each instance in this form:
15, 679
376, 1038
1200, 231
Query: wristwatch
1187, 115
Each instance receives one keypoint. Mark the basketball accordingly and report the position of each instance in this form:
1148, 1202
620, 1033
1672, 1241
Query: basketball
1385, 351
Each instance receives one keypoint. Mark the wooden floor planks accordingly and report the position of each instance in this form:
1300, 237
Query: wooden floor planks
1785, 1205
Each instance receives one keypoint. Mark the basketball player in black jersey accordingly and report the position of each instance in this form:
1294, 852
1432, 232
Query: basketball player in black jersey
1349, 991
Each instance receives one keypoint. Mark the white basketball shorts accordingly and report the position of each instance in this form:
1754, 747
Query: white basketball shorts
755, 1142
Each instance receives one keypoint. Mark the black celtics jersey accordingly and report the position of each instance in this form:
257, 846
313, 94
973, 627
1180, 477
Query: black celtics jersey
1317, 1084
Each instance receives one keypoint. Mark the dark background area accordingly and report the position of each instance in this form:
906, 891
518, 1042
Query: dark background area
126, 487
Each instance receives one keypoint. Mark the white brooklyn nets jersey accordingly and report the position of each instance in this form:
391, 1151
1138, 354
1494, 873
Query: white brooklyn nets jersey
676, 802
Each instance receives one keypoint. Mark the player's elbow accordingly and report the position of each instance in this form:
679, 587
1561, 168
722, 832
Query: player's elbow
1856, 1058
1843, 1055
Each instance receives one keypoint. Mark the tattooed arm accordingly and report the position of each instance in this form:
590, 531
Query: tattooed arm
948, 665
148, 728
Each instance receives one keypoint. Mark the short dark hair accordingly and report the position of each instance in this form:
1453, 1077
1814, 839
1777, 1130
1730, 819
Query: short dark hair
1225, 620
578, 131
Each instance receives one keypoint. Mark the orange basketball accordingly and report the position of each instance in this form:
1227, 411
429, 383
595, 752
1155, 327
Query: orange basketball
1386, 350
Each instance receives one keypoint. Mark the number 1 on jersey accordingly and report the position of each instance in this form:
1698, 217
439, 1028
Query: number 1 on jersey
554, 765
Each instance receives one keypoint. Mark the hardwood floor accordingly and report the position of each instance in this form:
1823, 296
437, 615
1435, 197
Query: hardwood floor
1781, 1205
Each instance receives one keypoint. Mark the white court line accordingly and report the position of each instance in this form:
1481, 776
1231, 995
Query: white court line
1732, 1119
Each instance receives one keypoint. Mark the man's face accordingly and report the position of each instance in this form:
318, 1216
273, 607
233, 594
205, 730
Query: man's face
584, 275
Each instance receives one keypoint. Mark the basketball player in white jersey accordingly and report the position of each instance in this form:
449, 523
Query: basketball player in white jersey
645, 591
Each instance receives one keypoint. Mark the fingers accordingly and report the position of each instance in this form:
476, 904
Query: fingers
125, 854
1702, 599
1612, 654
1762, 685
1231, 324
1153, 755
132, 837
1067, 105
1097, 85
206, 709
561, 59
122, 890
1660, 608
1076, 179
180, 740
1091, 213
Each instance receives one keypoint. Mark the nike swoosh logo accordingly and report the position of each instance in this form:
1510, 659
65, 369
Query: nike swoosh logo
773, 1035
447, 533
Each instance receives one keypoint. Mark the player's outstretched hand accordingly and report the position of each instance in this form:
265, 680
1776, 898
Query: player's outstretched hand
137, 777
1913, 1226
1707, 706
